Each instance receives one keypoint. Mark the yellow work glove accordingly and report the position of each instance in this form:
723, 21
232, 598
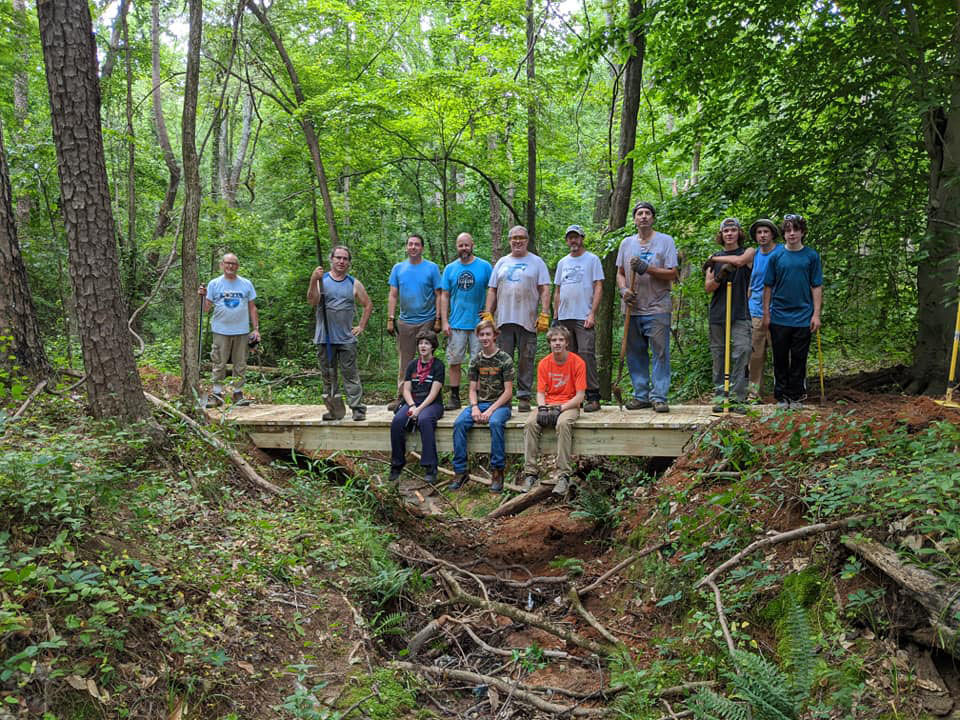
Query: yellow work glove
543, 322
488, 317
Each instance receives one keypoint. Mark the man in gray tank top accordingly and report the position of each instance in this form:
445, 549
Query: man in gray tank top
341, 293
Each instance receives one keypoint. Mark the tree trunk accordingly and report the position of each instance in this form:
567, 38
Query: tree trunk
496, 214
70, 57
233, 176
18, 321
306, 124
189, 340
937, 268
129, 259
111, 57
21, 93
160, 125
531, 131
620, 199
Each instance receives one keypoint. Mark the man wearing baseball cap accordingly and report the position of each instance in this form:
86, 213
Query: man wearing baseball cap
764, 233
646, 269
578, 285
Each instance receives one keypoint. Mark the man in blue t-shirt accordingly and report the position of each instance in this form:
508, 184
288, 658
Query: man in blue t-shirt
765, 234
461, 300
792, 297
230, 297
414, 288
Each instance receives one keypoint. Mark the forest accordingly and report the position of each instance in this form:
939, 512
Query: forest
143, 575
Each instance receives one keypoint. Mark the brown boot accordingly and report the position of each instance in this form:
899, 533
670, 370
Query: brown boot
394, 404
496, 476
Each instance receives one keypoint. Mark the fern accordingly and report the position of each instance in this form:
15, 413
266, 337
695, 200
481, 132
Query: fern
764, 686
796, 647
707, 705
392, 624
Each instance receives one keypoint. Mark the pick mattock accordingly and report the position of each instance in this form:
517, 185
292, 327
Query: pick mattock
823, 393
332, 401
952, 383
726, 349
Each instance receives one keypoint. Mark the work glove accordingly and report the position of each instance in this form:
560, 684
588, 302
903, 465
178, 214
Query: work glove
638, 265
488, 317
723, 271
628, 295
547, 415
391, 330
436, 325
543, 322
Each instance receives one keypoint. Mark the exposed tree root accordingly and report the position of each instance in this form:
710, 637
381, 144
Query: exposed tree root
591, 620
245, 468
518, 691
521, 502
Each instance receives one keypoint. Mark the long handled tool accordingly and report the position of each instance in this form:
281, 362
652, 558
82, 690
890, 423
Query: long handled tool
617, 392
333, 402
823, 394
726, 349
952, 383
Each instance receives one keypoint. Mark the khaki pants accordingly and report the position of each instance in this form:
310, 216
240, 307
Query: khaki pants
229, 349
758, 355
407, 345
531, 442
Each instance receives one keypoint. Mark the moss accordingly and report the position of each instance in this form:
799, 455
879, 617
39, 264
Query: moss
393, 697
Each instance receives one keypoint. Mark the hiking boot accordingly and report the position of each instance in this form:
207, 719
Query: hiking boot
563, 482
496, 477
796, 404
359, 414
591, 405
239, 399
717, 409
528, 482
430, 476
637, 404
214, 400
783, 404
394, 404
739, 408
661, 406
454, 402
523, 405
395, 473
459, 480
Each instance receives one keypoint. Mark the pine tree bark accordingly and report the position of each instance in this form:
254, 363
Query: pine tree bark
623, 186
17, 317
160, 125
531, 130
21, 94
189, 339
70, 56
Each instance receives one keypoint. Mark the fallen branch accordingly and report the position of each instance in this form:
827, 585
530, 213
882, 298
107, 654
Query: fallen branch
245, 468
522, 502
722, 616
938, 596
575, 603
503, 652
30, 398
624, 564
522, 616
519, 691
428, 631
790, 535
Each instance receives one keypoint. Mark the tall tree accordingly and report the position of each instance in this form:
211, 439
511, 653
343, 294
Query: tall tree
70, 57
21, 93
17, 317
531, 127
189, 339
632, 80
160, 125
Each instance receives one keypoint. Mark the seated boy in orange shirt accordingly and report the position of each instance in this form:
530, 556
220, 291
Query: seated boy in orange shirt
561, 384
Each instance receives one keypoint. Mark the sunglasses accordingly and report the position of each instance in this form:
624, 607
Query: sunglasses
793, 218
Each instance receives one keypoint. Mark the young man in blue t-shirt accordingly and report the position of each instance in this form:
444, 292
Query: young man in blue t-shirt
792, 298
230, 297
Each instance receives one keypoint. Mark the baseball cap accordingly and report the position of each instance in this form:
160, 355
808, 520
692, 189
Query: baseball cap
575, 229
644, 204
729, 222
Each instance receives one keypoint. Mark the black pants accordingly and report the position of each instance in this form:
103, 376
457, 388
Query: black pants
791, 345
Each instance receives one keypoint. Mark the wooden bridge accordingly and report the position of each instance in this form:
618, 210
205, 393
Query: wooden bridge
610, 431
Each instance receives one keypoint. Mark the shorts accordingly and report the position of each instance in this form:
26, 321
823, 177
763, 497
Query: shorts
460, 342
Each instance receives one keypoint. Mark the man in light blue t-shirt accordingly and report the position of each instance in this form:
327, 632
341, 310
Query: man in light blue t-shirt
414, 289
765, 234
230, 297
461, 300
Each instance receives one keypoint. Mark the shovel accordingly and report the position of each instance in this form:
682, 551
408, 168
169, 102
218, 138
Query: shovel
334, 403
617, 392
948, 400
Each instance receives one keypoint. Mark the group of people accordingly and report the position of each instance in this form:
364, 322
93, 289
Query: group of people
491, 315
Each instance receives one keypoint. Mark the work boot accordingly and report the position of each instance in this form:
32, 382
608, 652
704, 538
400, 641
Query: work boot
394, 404
395, 471
637, 404
430, 476
214, 400
238, 398
459, 480
560, 488
359, 414
592, 405
661, 406
528, 482
783, 404
496, 484
454, 402
523, 405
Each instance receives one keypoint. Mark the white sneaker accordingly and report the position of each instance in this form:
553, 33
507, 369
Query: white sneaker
796, 404
561, 487
783, 404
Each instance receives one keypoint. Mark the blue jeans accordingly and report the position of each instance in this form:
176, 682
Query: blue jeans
426, 424
498, 423
649, 334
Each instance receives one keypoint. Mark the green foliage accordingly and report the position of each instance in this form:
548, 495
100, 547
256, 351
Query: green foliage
758, 689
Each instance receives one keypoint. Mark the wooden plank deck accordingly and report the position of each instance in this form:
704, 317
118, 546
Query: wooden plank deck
610, 431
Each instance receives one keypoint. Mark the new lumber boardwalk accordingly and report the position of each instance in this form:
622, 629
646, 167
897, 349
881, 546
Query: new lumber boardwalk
610, 431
